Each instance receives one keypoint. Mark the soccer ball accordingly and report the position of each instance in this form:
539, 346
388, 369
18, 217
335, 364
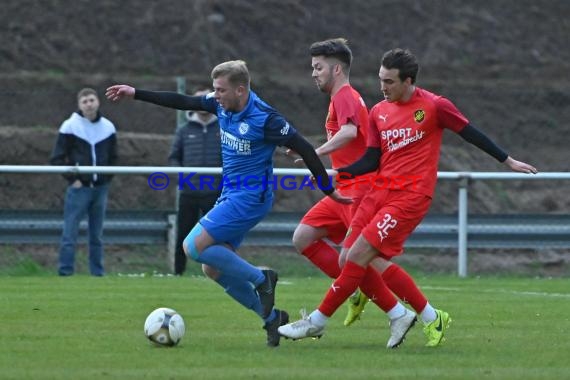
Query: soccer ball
164, 327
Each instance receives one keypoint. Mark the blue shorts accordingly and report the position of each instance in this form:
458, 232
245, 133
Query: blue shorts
234, 215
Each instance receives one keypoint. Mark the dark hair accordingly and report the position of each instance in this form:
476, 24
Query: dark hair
334, 48
404, 61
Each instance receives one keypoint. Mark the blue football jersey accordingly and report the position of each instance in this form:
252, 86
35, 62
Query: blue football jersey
249, 139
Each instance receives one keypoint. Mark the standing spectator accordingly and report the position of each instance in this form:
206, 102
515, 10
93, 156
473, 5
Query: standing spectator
85, 139
195, 144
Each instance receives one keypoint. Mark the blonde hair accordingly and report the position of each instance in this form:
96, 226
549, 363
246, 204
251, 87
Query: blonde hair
236, 72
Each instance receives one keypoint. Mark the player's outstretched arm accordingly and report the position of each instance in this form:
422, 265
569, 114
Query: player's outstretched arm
162, 98
483, 142
519, 166
120, 91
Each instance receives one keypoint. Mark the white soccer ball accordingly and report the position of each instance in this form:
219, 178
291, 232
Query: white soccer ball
164, 327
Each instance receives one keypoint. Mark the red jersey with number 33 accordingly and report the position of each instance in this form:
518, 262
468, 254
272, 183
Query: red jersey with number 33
347, 106
409, 135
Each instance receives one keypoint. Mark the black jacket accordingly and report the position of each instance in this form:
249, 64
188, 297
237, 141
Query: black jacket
82, 142
198, 145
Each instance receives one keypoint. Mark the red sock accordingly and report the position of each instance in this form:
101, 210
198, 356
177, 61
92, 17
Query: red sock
324, 257
375, 288
348, 281
403, 285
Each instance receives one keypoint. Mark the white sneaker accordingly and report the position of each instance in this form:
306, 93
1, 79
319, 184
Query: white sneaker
302, 328
399, 327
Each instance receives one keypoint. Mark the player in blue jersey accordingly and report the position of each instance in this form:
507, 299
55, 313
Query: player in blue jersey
250, 131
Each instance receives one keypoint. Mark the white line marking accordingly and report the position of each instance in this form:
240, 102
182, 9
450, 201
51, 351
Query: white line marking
524, 293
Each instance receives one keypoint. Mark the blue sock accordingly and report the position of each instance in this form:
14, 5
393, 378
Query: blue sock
271, 316
228, 262
242, 291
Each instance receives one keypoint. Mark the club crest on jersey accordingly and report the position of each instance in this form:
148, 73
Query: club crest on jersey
419, 116
243, 128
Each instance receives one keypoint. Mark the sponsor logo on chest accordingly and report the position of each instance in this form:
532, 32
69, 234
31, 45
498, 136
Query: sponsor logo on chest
397, 138
239, 145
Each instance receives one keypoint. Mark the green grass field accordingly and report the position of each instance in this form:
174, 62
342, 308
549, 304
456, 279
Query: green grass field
85, 328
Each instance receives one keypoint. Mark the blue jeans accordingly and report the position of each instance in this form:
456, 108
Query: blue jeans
90, 201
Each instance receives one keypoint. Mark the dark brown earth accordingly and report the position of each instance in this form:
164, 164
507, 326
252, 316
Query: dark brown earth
504, 63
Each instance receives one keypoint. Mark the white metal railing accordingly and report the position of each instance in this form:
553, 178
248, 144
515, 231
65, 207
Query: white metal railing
462, 178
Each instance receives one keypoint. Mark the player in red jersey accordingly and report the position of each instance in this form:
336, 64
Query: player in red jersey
346, 127
404, 141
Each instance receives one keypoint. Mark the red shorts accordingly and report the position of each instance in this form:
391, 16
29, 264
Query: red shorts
386, 218
334, 216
